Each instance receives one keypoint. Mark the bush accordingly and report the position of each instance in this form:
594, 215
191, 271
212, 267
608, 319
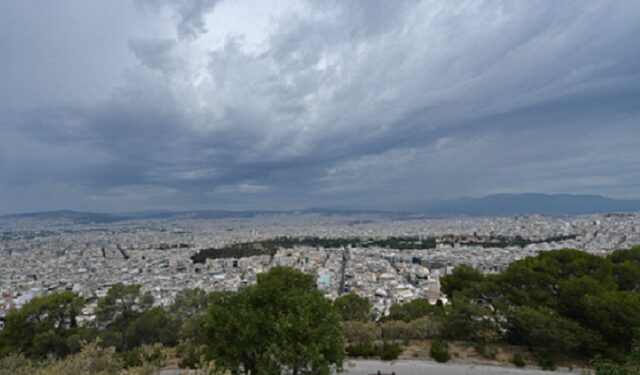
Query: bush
389, 351
426, 327
518, 360
362, 350
395, 330
440, 351
357, 332
546, 360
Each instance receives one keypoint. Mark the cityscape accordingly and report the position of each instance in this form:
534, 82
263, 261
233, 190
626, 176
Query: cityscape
38, 257
297, 187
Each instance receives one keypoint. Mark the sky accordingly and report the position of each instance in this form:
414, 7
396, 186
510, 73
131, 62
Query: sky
258, 104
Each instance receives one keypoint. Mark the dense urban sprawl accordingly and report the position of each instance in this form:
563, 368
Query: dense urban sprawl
38, 257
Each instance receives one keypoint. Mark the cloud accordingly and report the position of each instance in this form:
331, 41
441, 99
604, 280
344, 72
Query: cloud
189, 15
348, 103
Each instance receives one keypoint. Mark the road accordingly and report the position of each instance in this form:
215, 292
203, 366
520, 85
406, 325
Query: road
414, 367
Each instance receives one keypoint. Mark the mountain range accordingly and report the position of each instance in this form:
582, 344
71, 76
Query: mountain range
491, 205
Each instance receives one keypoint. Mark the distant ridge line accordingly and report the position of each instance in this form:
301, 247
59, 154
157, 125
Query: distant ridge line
491, 205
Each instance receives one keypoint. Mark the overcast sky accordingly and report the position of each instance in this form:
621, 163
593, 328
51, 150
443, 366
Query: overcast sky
203, 104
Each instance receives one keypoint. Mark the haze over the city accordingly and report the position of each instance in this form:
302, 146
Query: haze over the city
222, 104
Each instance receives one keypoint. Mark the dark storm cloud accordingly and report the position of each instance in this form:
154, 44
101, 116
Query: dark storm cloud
345, 103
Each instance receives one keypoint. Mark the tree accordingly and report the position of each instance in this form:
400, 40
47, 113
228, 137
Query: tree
545, 332
121, 303
117, 310
626, 268
282, 322
153, 326
472, 322
413, 310
189, 302
535, 281
462, 277
352, 307
42, 325
614, 315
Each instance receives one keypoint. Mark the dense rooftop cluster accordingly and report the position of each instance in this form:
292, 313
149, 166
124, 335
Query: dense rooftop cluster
39, 257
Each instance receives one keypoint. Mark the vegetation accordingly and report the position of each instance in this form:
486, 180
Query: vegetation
269, 247
413, 310
563, 303
352, 307
440, 351
518, 360
560, 305
281, 322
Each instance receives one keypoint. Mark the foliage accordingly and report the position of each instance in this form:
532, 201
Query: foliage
122, 314
42, 326
518, 360
389, 351
470, 321
121, 303
395, 330
462, 277
425, 328
413, 310
362, 350
559, 303
358, 332
269, 247
93, 359
440, 351
352, 307
281, 322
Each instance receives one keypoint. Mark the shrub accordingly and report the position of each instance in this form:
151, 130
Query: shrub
546, 360
362, 350
395, 330
440, 351
518, 360
426, 327
357, 332
389, 351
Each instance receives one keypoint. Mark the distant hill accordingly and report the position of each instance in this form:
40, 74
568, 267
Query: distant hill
75, 216
517, 204
491, 205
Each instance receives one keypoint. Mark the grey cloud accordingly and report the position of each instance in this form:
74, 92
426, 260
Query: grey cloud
189, 14
352, 102
155, 54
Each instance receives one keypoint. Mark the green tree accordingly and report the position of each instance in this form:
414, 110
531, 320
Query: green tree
42, 325
189, 302
462, 277
545, 332
614, 315
470, 321
282, 322
153, 326
117, 311
413, 310
535, 281
352, 307
626, 268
